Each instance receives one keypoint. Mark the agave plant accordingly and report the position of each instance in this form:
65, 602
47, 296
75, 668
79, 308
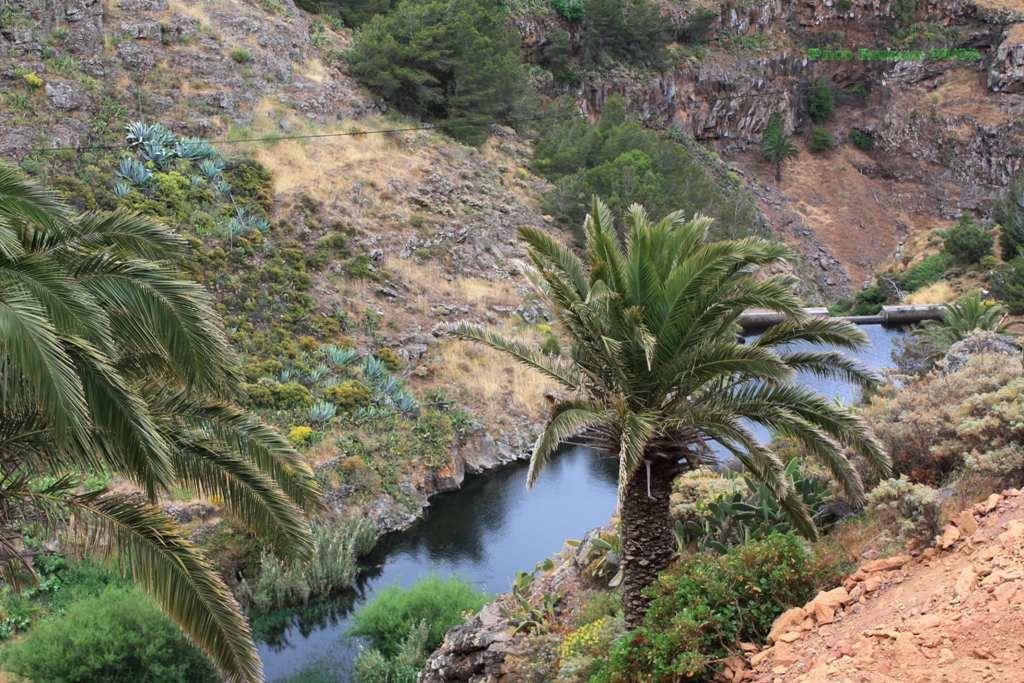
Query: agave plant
162, 157
122, 190
194, 149
112, 362
212, 168
134, 172
377, 375
322, 412
338, 356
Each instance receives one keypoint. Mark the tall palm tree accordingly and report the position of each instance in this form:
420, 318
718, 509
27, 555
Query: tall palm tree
111, 362
656, 374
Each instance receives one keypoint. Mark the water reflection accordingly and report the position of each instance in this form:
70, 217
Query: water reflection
486, 532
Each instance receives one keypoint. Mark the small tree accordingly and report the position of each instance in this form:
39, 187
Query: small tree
820, 101
776, 145
967, 242
444, 59
1009, 213
821, 140
1007, 285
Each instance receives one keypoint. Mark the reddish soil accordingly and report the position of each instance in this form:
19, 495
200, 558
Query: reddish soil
952, 615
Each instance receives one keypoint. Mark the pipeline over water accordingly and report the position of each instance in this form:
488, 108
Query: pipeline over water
754, 319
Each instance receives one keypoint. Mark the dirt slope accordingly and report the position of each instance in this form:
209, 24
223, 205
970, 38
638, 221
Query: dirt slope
953, 614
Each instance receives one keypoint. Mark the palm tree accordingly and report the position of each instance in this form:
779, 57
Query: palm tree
959, 319
656, 373
111, 362
776, 146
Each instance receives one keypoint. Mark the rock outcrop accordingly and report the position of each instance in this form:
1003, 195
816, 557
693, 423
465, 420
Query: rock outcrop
954, 612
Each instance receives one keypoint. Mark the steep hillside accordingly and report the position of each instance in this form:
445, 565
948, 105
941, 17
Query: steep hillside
364, 241
947, 129
952, 614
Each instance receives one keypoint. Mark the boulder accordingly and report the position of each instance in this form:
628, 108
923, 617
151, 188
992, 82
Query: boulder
787, 621
1006, 71
978, 343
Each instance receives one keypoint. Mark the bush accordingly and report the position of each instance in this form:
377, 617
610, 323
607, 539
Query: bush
911, 510
571, 10
444, 59
968, 242
929, 424
1007, 285
354, 13
620, 161
300, 434
698, 26
1009, 214
630, 31
240, 55
33, 80
862, 140
374, 667
925, 272
349, 395
703, 606
821, 140
334, 567
820, 101
119, 635
388, 619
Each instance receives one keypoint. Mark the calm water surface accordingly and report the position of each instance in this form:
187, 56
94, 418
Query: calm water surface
486, 532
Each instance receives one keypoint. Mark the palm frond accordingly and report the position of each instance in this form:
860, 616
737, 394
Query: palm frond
568, 422
165, 564
563, 373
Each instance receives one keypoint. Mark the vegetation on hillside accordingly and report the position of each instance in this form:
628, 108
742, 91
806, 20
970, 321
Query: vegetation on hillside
405, 625
118, 364
453, 61
623, 163
656, 371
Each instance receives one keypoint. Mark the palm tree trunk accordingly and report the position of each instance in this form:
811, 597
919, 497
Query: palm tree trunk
648, 541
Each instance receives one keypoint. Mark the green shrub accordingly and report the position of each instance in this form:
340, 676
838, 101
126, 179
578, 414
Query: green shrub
550, 346
821, 140
862, 140
392, 361
240, 55
334, 567
911, 510
444, 59
968, 242
353, 13
1007, 285
703, 606
571, 10
374, 667
843, 6
820, 101
1009, 214
620, 161
119, 635
697, 26
389, 618
349, 394
629, 31
927, 271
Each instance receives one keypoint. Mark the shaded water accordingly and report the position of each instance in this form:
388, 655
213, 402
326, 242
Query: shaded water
485, 532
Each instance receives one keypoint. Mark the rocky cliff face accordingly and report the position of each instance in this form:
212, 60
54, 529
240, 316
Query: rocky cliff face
948, 133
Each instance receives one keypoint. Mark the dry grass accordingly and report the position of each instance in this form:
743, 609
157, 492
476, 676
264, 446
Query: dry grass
427, 284
315, 70
937, 293
327, 167
493, 383
194, 9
